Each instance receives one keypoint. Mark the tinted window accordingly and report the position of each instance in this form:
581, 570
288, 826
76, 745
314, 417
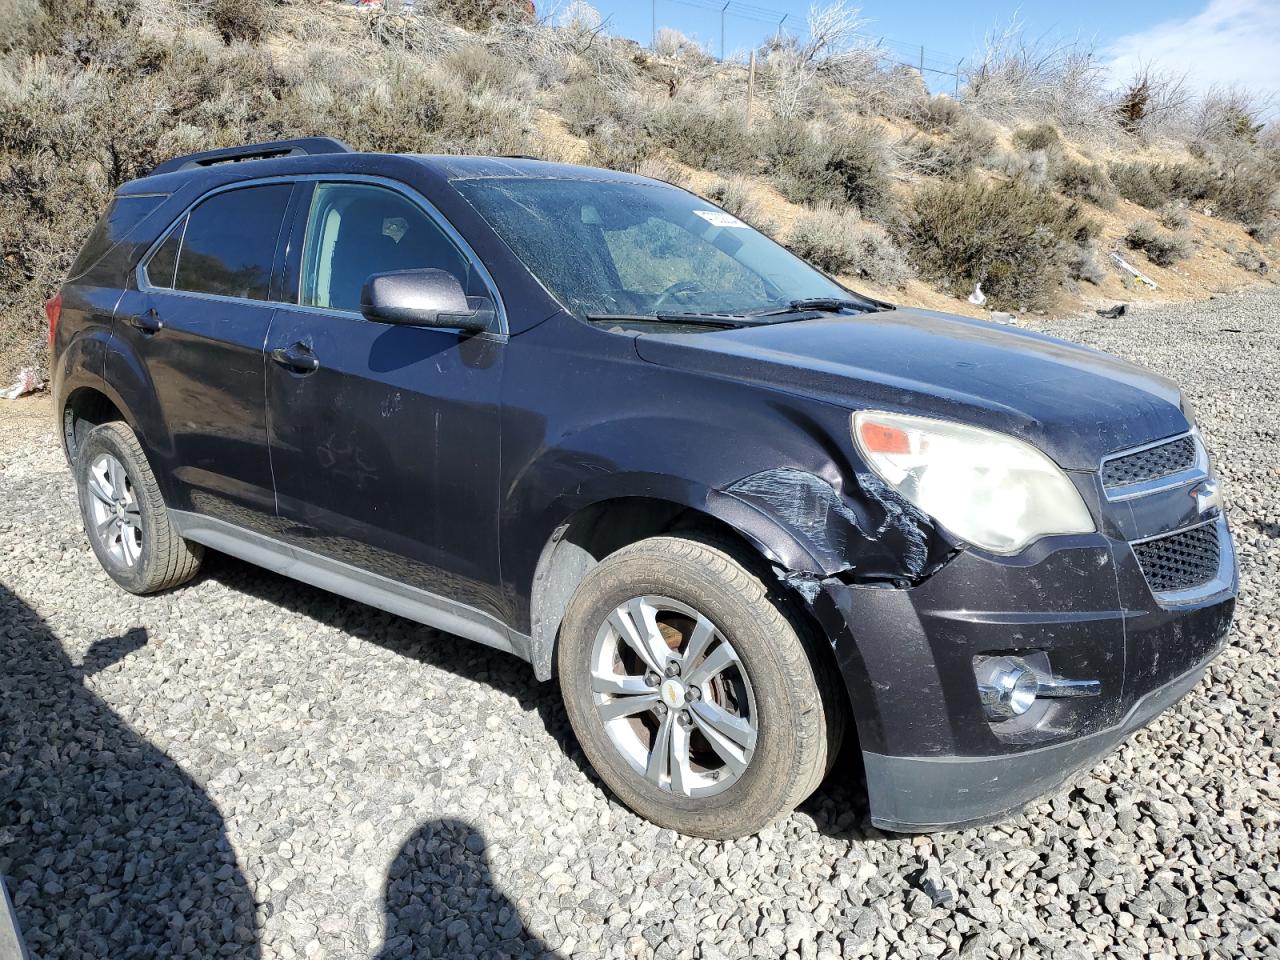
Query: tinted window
631, 247
230, 242
160, 268
121, 217
356, 230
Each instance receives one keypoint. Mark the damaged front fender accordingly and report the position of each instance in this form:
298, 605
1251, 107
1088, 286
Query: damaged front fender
870, 534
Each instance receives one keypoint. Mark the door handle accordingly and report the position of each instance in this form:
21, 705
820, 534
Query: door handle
148, 322
296, 357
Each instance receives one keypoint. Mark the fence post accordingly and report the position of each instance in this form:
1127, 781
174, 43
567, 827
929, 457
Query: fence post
959, 64
653, 13
751, 84
722, 10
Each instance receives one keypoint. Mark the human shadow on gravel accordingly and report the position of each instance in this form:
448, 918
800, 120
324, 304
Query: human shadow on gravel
441, 901
109, 848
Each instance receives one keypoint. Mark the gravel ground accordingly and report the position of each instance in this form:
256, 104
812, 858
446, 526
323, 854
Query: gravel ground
249, 767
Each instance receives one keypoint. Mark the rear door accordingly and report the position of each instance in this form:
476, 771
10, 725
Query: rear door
384, 438
197, 323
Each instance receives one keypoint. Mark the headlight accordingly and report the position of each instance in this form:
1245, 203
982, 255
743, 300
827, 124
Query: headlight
987, 488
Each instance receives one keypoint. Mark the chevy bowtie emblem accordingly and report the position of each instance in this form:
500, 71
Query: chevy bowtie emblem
1208, 496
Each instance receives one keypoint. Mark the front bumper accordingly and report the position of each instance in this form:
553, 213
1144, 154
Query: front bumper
921, 794
933, 759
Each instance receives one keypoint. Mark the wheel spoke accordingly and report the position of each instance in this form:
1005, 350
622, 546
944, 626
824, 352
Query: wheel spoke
130, 544
723, 656
626, 706
133, 513
660, 752
636, 625
98, 487
681, 774
117, 476
733, 756
735, 729
103, 526
620, 684
699, 640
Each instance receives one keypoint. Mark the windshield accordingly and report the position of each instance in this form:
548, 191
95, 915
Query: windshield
629, 248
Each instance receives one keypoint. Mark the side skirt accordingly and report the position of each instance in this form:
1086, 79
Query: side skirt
352, 582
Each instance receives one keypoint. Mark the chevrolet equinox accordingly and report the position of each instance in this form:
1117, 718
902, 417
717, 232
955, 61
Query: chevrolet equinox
740, 512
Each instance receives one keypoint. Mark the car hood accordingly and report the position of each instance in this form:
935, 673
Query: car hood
1074, 403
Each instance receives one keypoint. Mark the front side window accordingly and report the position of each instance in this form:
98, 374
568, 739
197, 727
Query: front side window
356, 230
608, 247
229, 244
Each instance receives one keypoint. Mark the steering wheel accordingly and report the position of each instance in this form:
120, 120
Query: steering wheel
675, 290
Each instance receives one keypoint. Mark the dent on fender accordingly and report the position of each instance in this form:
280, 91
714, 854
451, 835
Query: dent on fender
869, 535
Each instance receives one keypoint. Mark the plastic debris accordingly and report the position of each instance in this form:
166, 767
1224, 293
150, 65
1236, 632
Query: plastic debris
29, 381
1137, 274
1111, 313
977, 298
1000, 317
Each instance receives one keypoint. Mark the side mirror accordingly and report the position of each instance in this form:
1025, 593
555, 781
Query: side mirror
424, 298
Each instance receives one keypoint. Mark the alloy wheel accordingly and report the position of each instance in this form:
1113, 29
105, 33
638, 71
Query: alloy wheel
673, 696
114, 511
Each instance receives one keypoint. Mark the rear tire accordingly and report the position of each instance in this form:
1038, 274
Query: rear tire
125, 517
775, 700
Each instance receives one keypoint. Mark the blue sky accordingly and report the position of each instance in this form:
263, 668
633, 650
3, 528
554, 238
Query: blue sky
1215, 41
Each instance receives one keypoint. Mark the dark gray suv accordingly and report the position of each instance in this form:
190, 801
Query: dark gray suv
740, 511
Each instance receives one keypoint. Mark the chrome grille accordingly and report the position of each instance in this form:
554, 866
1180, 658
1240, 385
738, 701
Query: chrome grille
1152, 463
1181, 560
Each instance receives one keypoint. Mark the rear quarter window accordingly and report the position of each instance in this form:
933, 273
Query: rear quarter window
124, 214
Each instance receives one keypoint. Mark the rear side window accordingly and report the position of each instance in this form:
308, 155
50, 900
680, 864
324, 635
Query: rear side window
229, 244
357, 230
121, 217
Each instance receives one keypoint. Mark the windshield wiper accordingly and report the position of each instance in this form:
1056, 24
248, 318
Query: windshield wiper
816, 303
693, 319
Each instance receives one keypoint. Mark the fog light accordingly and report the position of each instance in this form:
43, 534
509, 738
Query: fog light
1007, 686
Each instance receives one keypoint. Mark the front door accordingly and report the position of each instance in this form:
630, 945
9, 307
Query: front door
384, 438
198, 324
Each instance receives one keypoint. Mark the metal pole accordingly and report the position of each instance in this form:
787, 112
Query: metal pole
722, 10
778, 35
958, 66
653, 10
921, 62
751, 83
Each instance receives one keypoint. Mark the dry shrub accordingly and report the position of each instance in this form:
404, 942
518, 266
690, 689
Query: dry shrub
1162, 248
1016, 240
849, 167
1264, 231
1250, 260
968, 144
1152, 101
839, 242
1152, 185
1043, 136
936, 114
239, 20
482, 14
1174, 216
1084, 181
705, 135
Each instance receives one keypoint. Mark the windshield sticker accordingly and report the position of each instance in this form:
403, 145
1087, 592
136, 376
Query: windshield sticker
718, 218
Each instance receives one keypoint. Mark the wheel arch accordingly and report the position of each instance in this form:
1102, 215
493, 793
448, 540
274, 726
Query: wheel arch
584, 538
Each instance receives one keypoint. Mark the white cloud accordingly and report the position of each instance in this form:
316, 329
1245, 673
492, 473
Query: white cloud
1230, 42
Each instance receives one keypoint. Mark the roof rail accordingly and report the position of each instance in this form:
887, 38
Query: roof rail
253, 151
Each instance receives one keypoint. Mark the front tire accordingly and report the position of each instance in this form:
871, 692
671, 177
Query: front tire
695, 695
125, 517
